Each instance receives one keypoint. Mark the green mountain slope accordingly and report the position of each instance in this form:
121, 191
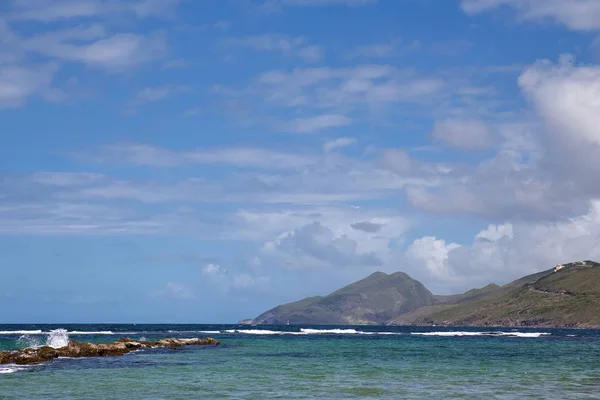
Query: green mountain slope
372, 300
566, 296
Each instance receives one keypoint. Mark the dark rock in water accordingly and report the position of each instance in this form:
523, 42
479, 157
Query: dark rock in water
84, 349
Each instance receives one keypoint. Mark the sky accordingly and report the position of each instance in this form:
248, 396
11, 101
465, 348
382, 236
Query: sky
201, 161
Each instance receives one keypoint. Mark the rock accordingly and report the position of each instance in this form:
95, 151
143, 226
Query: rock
85, 349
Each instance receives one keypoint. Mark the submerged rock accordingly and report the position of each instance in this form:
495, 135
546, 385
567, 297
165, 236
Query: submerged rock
84, 349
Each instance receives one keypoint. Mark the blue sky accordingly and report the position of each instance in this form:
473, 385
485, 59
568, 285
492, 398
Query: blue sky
201, 161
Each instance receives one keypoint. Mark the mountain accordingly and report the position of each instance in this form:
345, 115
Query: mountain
373, 300
565, 296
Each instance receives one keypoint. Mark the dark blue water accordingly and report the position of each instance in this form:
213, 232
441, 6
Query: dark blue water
313, 362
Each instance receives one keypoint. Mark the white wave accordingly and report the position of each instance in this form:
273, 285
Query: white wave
308, 331
37, 332
330, 331
489, 333
210, 332
58, 338
262, 332
9, 369
96, 333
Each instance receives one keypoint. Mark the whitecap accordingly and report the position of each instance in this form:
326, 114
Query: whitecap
36, 332
261, 332
58, 338
488, 333
93, 333
329, 331
9, 369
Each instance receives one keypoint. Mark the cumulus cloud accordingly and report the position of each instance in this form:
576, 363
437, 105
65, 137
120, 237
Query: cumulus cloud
345, 239
314, 245
367, 226
567, 98
552, 177
505, 252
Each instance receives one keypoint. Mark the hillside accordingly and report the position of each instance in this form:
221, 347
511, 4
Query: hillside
373, 300
566, 296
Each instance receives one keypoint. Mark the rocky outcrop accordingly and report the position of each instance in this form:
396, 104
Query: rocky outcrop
84, 349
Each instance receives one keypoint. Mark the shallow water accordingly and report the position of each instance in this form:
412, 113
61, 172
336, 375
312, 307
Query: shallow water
288, 362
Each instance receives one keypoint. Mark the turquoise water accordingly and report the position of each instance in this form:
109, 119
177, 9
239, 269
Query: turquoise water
315, 363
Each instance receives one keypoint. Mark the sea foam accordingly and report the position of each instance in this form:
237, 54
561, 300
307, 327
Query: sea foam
329, 331
58, 338
488, 333
36, 332
9, 369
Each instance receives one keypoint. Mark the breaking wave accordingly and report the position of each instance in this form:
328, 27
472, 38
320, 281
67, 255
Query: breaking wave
9, 369
489, 333
58, 338
308, 331
36, 332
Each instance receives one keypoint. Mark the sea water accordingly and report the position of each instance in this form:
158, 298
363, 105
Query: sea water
312, 362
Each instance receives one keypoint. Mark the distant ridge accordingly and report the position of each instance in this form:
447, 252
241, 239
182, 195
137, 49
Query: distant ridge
567, 295
372, 300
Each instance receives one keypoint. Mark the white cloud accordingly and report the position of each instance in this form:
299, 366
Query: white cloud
501, 254
319, 123
464, 134
288, 45
496, 232
433, 254
581, 15
232, 281
18, 83
312, 53
116, 52
306, 3
52, 10
156, 93
567, 98
143, 154
545, 169
338, 143
63, 218
174, 290
360, 92
67, 178
213, 270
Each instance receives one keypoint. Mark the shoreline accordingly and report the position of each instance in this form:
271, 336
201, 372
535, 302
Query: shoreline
75, 349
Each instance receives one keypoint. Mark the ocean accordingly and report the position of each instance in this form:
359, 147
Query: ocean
312, 362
